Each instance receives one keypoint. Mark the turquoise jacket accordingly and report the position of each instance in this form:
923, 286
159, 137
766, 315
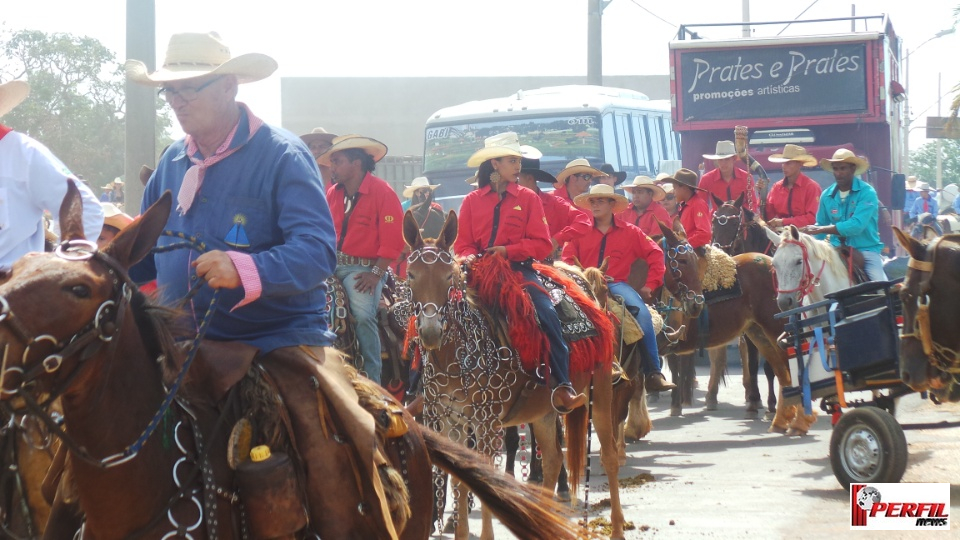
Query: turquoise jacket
856, 218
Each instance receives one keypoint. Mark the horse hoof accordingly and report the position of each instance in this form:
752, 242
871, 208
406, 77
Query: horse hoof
777, 429
451, 526
752, 415
687, 403
563, 496
769, 415
796, 432
676, 411
710, 404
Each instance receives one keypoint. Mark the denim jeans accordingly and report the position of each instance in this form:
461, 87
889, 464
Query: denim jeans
549, 323
363, 306
637, 307
873, 265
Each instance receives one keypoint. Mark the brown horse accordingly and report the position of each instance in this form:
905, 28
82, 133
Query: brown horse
930, 344
145, 464
735, 231
751, 314
474, 383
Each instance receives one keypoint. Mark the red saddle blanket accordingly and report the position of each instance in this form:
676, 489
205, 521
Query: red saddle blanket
499, 288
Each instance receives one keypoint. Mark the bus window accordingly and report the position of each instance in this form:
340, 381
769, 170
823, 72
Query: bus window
672, 140
641, 143
625, 144
656, 141
665, 148
610, 152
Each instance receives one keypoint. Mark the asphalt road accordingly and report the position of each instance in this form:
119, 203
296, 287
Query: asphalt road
718, 475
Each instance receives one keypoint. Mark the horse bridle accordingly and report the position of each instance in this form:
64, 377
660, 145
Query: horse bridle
683, 292
431, 255
808, 281
722, 221
945, 358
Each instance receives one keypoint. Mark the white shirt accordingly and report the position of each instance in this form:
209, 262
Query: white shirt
32, 180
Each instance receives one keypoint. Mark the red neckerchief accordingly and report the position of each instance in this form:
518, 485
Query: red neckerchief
4, 130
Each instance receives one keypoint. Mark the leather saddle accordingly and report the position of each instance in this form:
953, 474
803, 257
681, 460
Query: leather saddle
856, 268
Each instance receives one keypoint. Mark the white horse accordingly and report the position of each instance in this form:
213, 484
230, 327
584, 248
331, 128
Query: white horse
806, 269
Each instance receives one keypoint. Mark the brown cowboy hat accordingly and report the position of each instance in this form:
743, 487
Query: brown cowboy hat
792, 152
843, 155
684, 177
602, 191
12, 93
192, 55
376, 149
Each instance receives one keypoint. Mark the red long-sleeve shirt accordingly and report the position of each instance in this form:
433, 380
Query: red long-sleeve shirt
564, 220
713, 183
647, 219
375, 226
623, 244
695, 218
563, 194
522, 226
797, 206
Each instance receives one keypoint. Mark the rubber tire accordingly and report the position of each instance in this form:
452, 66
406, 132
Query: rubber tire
876, 432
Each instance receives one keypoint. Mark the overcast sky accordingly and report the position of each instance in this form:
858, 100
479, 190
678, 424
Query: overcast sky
483, 38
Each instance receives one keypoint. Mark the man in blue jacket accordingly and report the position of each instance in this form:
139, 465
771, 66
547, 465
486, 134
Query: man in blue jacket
848, 211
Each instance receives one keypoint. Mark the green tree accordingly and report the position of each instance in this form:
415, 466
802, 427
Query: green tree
923, 162
76, 103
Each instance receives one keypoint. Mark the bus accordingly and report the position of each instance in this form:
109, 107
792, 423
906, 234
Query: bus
604, 125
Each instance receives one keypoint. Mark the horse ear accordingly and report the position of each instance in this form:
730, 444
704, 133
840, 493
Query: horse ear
448, 234
605, 264
137, 239
739, 202
910, 244
748, 215
678, 229
411, 231
772, 236
576, 261
795, 232
717, 200
71, 214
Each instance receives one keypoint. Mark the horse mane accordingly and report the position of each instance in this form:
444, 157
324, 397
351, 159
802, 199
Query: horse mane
825, 251
159, 326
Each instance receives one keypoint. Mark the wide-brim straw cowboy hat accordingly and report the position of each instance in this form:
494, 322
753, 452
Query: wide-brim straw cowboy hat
792, 152
12, 93
376, 149
318, 136
420, 182
115, 182
724, 150
911, 182
577, 166
192, 55
648, 183
497, 146
115, 217
684, 177
607, 169
602, 191
844, 155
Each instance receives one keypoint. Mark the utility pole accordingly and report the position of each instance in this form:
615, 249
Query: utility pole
746, 18
141, 113
595, 41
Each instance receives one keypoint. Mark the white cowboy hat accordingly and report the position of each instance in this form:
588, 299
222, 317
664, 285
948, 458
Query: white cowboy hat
497, 146
912, 181
577, 166
373, 147
648, 183
792, 152
842, 155
192, 55
115, 217
725, 149
922, 186
420, 182
319, 136
602, 191
115, 181
12, 93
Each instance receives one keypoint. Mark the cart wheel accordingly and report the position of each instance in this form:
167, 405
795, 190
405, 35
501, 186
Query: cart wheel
868, 445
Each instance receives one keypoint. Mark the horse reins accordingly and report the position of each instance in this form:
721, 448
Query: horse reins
722, 220
670, 253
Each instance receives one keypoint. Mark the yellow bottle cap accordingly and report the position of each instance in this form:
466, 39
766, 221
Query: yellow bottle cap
260, 453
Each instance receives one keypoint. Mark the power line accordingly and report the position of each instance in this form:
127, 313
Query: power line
652, 13
798, 16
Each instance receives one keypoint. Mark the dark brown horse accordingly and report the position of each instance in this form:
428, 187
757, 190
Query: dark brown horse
474, 383
74, 325
751, 314
930, 343
735, 231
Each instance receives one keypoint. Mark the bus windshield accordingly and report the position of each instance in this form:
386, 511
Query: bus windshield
559, 138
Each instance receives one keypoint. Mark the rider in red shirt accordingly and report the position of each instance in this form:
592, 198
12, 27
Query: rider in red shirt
575, 179
694, 214
795, 199
564, 220
727, 181
646, 210
502, 218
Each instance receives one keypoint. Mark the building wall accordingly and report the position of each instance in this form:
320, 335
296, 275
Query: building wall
394, 110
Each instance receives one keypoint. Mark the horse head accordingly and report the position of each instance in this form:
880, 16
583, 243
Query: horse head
431, 273
791, 268
729, 222
683, 275
928, 343
59, 308
598, 281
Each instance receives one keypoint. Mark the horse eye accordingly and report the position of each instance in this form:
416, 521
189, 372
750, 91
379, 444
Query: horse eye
798, 263
80, 291
449, 276
410, 275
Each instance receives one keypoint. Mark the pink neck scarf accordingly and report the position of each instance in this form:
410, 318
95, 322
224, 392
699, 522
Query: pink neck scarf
194, 177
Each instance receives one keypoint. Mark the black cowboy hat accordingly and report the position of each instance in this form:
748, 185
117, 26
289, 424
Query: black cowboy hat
607, 169
532, 167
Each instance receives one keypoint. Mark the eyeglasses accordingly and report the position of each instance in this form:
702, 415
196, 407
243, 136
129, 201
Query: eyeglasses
582, 176
186, 94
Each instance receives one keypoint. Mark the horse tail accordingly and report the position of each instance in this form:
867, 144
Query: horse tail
576, 423
527, 511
